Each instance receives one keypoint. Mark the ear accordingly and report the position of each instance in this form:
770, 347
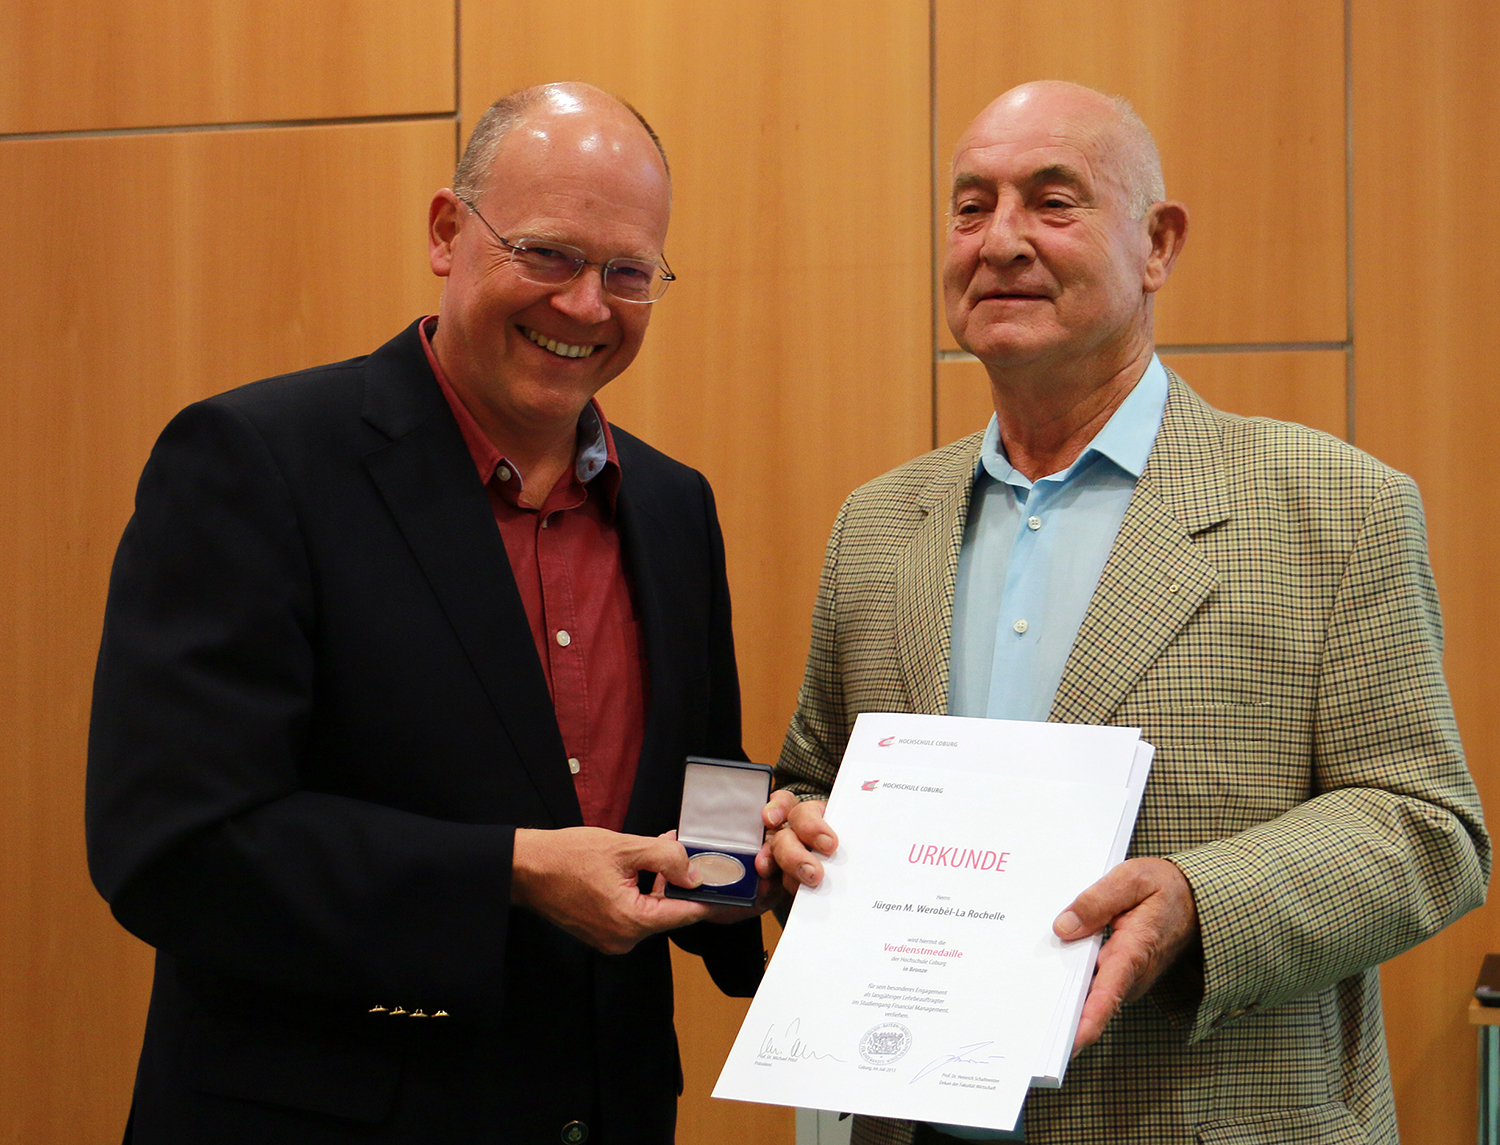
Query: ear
1167, 225
442, 230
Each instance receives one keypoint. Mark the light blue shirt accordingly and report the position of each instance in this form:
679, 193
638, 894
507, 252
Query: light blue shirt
1031, 558
1030, 562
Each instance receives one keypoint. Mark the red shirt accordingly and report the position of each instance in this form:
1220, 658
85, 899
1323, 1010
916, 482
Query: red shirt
570, 570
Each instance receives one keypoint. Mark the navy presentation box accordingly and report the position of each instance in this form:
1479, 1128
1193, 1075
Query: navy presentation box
720, 826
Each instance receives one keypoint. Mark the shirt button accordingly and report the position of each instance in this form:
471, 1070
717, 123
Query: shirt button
563, 639
503, 473
573, 765
1033, 523
575, 1133
1020, 626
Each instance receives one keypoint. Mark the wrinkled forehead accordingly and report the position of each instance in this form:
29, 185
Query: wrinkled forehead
1015, 146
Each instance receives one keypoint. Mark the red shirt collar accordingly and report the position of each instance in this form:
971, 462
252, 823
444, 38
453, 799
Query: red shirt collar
487, 458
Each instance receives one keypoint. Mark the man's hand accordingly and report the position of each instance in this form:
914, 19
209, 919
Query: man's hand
1149, 907
586, 881
797, 840
766, 896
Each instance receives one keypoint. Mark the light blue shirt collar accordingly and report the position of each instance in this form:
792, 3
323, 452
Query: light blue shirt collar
1126, 438
593, 449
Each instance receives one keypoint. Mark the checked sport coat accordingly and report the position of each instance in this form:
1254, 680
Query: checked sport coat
1267, 616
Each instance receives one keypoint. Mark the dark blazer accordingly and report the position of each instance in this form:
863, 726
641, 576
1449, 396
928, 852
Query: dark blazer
318, 718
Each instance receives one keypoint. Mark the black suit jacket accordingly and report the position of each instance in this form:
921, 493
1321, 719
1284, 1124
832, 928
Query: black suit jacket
318, 718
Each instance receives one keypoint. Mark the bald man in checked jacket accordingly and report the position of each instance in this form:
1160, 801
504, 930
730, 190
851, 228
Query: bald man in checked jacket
1255, 596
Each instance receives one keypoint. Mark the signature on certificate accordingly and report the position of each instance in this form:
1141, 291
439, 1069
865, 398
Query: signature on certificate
789, 1046
970, 1054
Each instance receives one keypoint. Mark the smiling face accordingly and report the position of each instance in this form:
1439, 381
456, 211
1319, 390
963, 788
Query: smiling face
580, 170
1046, 266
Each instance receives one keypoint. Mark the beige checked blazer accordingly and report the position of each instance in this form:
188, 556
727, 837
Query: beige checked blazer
1267, 616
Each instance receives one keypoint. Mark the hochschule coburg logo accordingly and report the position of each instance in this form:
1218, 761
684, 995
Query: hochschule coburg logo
869, 785
892, 741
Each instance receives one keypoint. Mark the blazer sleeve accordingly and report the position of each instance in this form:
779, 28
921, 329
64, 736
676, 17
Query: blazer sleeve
202, 835
1392, 845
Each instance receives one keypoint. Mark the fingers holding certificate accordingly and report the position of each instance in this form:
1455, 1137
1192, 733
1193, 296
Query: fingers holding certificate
1148, 906
798, 840
919, 975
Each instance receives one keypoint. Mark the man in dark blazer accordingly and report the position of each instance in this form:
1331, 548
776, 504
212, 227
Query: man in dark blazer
401, 662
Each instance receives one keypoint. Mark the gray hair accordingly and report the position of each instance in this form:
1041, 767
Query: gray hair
499, 120
1140, 162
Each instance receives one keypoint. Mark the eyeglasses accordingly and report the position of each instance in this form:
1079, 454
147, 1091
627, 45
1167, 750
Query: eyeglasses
547, 263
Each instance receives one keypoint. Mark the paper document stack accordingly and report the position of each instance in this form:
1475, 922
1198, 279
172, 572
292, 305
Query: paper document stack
922, 979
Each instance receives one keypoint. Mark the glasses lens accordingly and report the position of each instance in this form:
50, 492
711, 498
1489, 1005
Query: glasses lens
634, 281
550, 265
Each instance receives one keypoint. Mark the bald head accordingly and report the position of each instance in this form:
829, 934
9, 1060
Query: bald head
510, 111
1118, 136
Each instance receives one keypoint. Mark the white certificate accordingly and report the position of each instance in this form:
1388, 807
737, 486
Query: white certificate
921, 979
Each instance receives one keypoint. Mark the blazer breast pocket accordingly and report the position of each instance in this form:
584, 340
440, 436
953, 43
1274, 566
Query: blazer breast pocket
1218, 770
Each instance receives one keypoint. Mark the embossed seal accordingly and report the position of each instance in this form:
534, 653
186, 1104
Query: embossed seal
885, 1043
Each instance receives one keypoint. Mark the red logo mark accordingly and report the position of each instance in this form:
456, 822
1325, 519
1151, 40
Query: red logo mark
869, 785
887, 741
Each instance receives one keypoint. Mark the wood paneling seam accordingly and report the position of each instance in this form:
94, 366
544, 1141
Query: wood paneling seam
257, 125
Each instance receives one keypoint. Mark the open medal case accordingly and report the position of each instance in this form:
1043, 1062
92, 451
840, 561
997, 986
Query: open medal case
720, 826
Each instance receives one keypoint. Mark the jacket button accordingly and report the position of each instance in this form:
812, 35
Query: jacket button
575, 1133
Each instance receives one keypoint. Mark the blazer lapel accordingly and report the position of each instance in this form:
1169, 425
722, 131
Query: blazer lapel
427, 480
926, 573
1156, 577
647, 540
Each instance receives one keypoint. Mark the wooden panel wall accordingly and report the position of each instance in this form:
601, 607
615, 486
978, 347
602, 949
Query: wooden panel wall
80, 65
1237, 95
1427, 340
797, 357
